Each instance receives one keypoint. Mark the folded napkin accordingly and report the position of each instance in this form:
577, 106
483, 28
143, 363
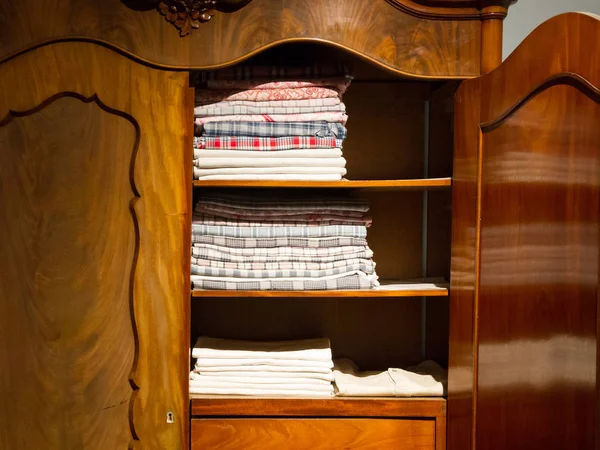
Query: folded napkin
426, 380
305, 349
224, 362
268, 377
304, 371
270, 380
200, 382
261, 392
213, 163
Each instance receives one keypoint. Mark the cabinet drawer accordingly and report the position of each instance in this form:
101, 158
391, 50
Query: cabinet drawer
313, 434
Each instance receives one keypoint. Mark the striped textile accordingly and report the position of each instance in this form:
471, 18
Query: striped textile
232, 243
292, 203
204, 96
215, 163
271, 177
214, 255
364, 264
286, 251
332, 70
318, 216
278, 171
241, 107
352, 282
291, 273
205, 219
327, 116
265, 144
287, 231
319, 129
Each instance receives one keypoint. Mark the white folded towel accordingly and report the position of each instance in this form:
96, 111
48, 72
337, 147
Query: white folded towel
280, 377
279, 387
202, 363
308, 153
390, 383
303, 349
304, 371
272, 177
249, 380
214, 163
268, 170
261, 392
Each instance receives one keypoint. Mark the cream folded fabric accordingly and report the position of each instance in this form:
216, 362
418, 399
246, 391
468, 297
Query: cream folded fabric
272, 177
200, 383
281, 377
425, 380
202, 363
304, 371
309, 153
215, 163
304, 349
270, 380
268, 170
261, 392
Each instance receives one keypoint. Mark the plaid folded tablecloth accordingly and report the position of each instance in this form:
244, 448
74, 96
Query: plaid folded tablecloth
215, 255
292, 273
204, 96
272, 107
327, 116
318, 129
288, 231
266, 143
205, 219
232, 243
352, 282
363, 264
285, 251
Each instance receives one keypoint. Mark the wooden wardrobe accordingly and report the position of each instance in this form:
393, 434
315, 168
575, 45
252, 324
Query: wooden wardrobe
481, 174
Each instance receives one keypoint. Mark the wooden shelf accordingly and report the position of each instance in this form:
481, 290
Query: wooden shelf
215, 406
417, 288
414, 184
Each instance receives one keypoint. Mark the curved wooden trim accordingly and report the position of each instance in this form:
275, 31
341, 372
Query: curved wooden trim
570, 79
552, 43
451, 12
156, 65
12, 114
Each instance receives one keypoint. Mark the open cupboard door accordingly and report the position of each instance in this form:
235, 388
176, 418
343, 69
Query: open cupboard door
524, 284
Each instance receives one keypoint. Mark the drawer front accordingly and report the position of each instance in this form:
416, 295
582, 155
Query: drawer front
313, 434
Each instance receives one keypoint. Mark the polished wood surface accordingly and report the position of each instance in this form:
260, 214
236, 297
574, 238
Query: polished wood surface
215, 406
523, 369
375, 30
417, 183
491, 38
443, 9
93, 299
313, 434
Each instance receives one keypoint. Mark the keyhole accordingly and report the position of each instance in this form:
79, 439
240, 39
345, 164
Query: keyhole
170, 418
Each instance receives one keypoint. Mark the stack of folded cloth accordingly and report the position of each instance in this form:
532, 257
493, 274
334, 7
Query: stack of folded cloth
292, 368
296, 242
261, 129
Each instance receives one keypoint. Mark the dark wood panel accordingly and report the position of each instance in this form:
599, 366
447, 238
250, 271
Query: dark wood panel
375, 30
312, 434
334, 407
523, 365
540, 200
94, 294
63, 303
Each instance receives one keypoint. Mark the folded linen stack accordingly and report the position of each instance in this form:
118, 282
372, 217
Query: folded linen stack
296, 242
261, 129
292, 368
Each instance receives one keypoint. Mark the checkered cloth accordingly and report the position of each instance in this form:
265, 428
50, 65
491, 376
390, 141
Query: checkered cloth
318, 129
285, 251
265, 144
205, 219
206, 96
301, 218
237, 273
366, 265
275, 232
215, 255
241, 107
352, 282
293, 203
233, 243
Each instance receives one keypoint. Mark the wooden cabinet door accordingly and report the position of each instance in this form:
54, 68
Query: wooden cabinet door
526, 219
94, 242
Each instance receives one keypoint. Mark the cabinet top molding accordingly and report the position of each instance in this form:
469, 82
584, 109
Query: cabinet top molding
454, 9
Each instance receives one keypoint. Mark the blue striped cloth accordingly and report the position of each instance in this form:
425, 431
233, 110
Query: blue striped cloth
320, 129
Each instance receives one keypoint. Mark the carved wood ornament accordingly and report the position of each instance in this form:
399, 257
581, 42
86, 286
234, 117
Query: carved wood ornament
189, 14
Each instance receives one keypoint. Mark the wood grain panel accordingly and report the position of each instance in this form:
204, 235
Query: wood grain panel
81, 325
539, 275
65, 320
312, 434
375, 30
524, 339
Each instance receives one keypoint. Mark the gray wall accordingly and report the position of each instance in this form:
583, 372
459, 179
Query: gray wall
526, 15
